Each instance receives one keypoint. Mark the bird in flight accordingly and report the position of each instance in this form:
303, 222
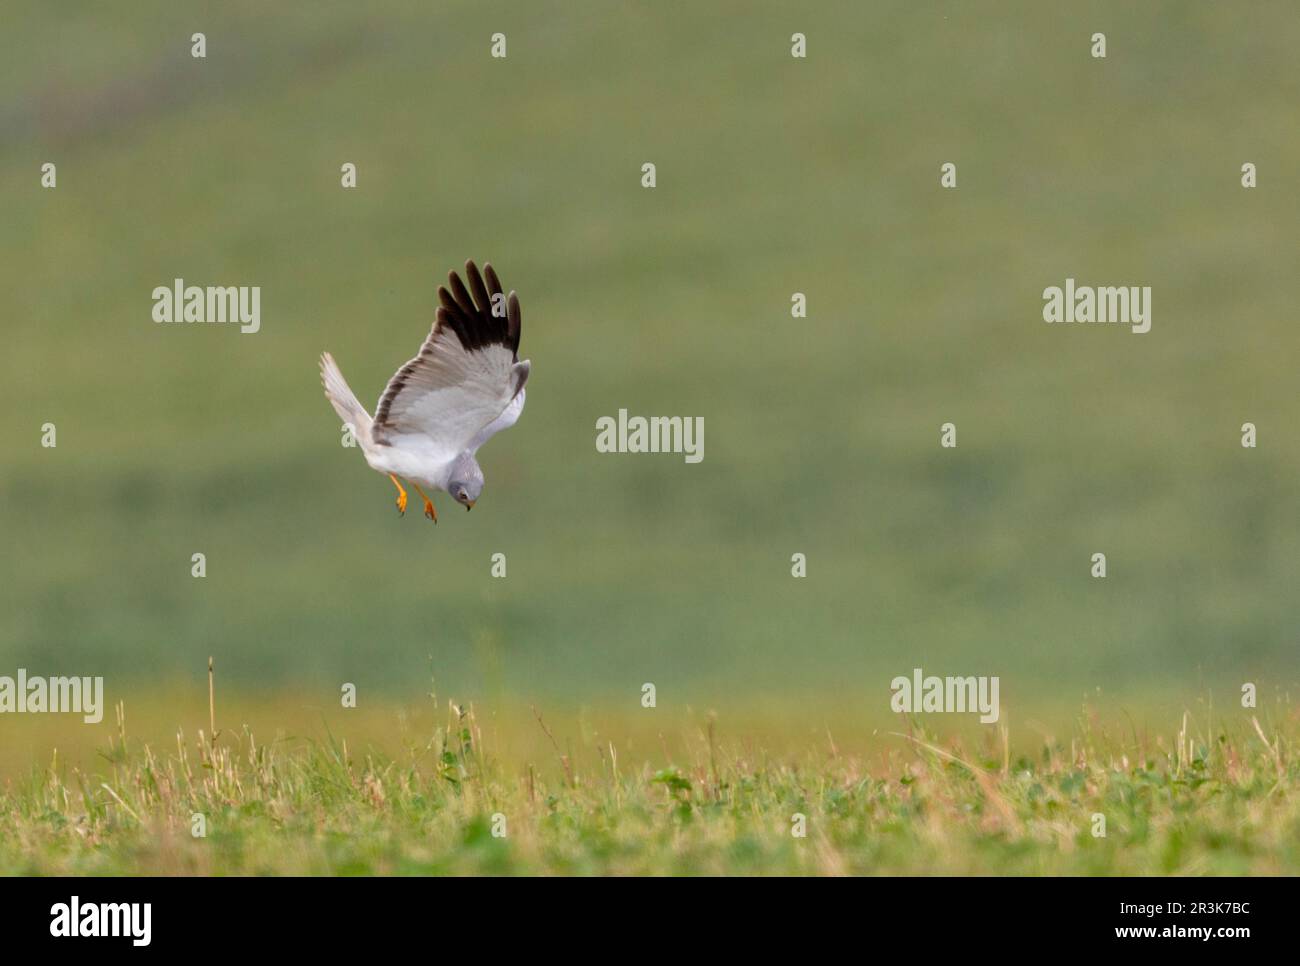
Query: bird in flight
465, 385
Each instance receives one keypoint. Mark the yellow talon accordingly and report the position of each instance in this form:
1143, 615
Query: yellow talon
429, 511
401, 495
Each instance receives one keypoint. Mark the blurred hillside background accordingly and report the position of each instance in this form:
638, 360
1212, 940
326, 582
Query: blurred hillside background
775, 175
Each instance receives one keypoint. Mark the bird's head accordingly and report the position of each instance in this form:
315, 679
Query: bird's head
466, 481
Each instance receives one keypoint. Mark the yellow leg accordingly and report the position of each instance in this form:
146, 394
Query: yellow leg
401, 495
429, 511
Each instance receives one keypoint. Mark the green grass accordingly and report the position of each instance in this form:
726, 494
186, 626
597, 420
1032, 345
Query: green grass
1219, 801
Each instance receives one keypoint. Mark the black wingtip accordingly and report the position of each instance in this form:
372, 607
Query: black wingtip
514, 320
482, 301
471, 311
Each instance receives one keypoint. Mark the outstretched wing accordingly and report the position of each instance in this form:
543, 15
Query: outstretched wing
508, 418
467, 372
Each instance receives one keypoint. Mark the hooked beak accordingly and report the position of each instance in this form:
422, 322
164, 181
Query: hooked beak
469, 505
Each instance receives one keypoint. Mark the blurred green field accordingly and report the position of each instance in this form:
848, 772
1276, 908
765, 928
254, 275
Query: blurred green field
775, 176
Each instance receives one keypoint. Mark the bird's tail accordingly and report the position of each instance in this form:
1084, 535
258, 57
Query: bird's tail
343, 399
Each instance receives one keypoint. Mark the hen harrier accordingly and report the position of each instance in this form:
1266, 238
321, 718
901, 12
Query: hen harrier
466, 384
